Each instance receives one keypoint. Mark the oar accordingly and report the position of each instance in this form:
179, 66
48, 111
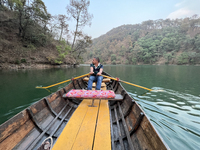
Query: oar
61, 82
117, 79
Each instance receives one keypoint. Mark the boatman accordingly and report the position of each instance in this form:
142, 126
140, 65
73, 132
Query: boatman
96, 70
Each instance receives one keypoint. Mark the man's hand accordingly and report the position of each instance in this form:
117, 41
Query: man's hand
91, 73
99, 73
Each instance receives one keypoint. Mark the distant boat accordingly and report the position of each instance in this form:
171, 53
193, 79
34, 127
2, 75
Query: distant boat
129, 127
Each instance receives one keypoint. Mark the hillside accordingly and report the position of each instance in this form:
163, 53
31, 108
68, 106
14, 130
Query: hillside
19, 53
151, 42
31, 37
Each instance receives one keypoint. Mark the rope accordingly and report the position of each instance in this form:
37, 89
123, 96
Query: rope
62, 82
117, 79
51, 141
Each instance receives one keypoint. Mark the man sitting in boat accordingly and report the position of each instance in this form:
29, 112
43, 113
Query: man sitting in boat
96, 70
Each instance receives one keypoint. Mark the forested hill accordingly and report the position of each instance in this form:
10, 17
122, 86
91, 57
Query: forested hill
151, 42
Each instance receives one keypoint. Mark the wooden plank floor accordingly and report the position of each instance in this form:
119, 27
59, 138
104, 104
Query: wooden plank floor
102, 139
85, 137
88, 128
69, 133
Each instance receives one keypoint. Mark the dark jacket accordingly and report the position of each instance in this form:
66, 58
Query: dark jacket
96, 69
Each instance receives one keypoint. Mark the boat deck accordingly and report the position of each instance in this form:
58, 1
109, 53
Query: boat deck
88, 128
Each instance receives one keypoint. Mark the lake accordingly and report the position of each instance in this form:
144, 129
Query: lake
174, 112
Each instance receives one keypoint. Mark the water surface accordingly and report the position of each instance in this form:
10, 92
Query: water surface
175, 112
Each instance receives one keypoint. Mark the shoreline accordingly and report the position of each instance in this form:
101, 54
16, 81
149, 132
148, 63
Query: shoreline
8, 66
86, 64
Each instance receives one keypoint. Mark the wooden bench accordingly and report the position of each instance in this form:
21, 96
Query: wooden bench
104, 80
94, 84
88, 128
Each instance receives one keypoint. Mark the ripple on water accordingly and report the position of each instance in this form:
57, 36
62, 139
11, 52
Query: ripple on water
189, 130
196, 107
8, 113
159, 100
193, 102
144, 97
155, 89
172, 99
172, 105
196, 115
167, 124
158, 112
180, 103
184, 96
21, 107
196, 122
173, 112
132, 94
154, 95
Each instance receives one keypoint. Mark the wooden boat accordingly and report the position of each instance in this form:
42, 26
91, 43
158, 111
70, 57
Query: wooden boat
129, 126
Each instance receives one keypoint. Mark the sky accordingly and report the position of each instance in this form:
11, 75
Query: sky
109, 14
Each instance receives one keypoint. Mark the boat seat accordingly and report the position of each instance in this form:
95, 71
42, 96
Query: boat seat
102, 84
104, 80
93, 94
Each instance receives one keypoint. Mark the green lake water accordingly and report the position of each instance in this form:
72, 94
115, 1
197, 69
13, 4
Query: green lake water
175, 112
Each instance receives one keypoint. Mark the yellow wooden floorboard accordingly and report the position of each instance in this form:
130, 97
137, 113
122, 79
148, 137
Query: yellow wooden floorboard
66, 139
102, 135
85, 137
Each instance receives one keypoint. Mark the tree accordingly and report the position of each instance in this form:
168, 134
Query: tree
10, 4
78, 10
2, 2
182, 59
81, 45
168, 56
63, 26
197, 43
30, 15
63, 50
113, 62
113, 57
